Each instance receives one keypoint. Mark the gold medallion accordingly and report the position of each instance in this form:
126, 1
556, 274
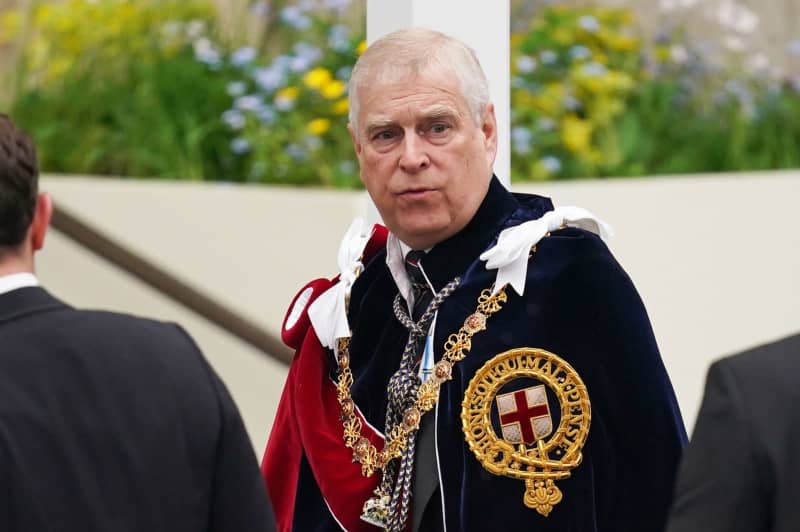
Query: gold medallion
529, 448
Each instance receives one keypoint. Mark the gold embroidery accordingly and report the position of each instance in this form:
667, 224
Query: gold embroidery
541, 464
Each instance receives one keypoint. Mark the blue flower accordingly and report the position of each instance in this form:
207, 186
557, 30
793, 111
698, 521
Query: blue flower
571, 103
234, 119
269, 79
344, 73
548, 57
337, 5
338, 37
526, 64
260, 8
308, 51
267, 115
295, 17
240, 146
300, 64
579, 52
546, 123
794, 47
243, 56
594, 70
312, 142
206, 52
248, 102
296, 152
551, 163
589, 23
521, 139
347, 167
236, 88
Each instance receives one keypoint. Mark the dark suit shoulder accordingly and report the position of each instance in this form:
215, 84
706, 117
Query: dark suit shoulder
771, 367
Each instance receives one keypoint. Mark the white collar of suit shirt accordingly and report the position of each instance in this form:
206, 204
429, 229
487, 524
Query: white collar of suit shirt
17, 280
396, 251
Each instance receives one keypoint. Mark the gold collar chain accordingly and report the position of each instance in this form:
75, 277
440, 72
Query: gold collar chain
456, 348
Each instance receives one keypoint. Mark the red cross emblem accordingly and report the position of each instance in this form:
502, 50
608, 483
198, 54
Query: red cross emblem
524, 415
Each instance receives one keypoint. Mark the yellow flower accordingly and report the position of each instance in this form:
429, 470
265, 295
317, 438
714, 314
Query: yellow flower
318, 126
288, 94
361, 47
550, 100
10, 25
576, 134
622, 43
341, 107
333, 89
317, 78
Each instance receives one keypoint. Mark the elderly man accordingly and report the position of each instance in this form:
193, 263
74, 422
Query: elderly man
485, 366
107, 422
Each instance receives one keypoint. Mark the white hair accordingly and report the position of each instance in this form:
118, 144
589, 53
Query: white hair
411, 52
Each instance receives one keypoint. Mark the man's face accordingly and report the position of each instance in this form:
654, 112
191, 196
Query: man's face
424, 160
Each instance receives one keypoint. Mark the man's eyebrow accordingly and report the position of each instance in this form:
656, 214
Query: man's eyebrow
378, 123
441, 111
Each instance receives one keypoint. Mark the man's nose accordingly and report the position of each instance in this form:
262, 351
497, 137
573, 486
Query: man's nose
414, 157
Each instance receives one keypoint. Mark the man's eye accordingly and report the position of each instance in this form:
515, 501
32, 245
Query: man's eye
384, 135
438, 129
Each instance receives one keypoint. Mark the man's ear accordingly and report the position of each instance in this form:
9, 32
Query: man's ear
489, 130
41, 220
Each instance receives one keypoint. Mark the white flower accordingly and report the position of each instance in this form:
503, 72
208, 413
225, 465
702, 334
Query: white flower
678, 54
737, 17
758, 62
670, 5
195, 29
733, 43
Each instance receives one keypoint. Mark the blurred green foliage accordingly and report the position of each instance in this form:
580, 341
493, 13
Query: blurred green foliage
151, 88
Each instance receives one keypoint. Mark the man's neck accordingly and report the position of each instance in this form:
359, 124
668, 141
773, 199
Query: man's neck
11, 264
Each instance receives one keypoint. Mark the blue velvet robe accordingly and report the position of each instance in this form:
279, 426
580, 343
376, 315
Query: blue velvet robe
578, 304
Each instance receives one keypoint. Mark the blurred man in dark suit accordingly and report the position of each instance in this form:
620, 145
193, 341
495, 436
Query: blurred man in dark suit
107, 422
741, 471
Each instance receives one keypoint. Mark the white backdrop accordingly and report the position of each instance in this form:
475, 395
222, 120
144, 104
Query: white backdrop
715, 258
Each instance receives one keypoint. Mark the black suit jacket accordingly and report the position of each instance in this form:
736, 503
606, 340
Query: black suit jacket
741, 471
112, 423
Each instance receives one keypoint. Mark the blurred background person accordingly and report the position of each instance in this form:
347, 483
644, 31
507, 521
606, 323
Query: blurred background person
107, 422
741, 471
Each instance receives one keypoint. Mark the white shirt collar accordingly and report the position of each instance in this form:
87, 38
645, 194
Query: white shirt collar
396, 251
17, 280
